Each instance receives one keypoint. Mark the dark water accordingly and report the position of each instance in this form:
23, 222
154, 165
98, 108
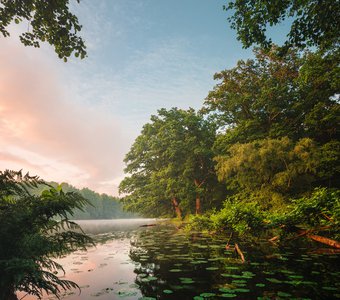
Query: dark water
161, 262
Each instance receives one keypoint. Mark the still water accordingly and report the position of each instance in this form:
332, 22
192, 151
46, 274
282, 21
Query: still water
162, 262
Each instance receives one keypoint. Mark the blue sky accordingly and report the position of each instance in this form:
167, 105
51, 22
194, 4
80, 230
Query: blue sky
75, 121
155, 54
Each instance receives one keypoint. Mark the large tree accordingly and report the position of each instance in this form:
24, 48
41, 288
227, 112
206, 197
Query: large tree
279, 124
273, 96
314, 22
170, 165
270, 171
49, 21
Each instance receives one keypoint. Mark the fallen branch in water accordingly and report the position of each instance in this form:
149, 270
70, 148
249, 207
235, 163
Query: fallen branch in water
238, 250
147, 225
327, 241
309, 233
273, 239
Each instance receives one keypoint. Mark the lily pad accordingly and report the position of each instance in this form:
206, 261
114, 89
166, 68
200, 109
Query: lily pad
167, 291
329, 288
231, 268
211, 268
241, 290
226, 290
282, 294
152, 278
274, 280
296, 276
207, 295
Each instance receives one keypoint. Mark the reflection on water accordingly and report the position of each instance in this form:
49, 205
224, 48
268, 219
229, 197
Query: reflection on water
160, 262
105, 271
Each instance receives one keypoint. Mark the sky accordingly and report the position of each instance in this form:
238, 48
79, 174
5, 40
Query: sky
74, 122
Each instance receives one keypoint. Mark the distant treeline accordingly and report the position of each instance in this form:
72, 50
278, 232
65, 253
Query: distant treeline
102, 206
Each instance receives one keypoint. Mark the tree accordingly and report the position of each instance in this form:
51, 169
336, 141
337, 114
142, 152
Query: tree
49, 21
275, 95
170, 164
278, 118
34, 230
315, 23
270, 170
257, 98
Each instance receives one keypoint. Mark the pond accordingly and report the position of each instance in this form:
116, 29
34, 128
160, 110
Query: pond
162, 262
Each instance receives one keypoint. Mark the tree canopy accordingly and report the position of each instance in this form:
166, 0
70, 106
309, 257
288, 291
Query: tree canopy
314, 23
170, 164
49, 21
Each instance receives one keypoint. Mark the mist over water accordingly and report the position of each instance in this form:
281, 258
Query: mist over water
106, 226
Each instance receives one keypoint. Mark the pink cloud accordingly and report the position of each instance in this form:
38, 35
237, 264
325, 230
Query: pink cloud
44, 130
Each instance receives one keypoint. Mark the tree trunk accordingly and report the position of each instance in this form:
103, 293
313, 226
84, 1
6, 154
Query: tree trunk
176, 207
198, 205
198, 198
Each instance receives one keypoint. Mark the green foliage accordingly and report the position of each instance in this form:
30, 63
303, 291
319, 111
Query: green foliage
274, 96
241, 217
200, 222
278, 118
34, 229
314, 23
171, 159
321, 208
277, 166
237, 216
49, 21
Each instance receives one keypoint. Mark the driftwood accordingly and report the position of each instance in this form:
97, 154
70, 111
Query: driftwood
239, 252
326, 241
309, 234
236, 248
273, 239
147, 225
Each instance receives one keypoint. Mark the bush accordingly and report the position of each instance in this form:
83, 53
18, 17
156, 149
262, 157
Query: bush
240, 217
199, 222
321, 208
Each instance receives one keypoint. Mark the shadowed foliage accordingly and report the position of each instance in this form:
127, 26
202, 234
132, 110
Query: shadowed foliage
34, 230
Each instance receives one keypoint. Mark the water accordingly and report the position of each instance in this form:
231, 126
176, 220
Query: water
161, 262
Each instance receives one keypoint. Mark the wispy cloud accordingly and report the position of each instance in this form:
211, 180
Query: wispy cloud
44, 131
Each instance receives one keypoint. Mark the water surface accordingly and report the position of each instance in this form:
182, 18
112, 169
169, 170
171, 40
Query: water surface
162, 262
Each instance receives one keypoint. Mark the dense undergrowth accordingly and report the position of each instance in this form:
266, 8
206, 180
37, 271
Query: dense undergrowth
320, 211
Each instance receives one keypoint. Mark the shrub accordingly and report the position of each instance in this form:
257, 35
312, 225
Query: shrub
31, 235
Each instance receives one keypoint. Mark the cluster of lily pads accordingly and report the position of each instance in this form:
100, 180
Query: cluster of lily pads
172, 264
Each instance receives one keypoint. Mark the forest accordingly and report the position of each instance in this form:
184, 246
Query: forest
99, 206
